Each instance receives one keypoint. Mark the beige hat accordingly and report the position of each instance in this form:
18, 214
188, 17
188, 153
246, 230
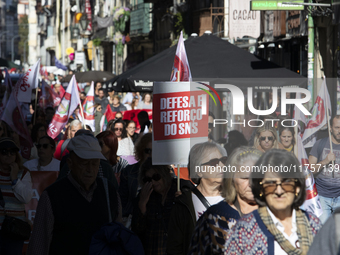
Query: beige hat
86, 146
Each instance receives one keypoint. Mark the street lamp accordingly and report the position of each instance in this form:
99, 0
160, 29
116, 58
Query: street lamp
84, 22
16, 36
1, 40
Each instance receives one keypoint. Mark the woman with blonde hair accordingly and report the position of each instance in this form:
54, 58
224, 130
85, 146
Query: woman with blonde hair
211, 229
266, 138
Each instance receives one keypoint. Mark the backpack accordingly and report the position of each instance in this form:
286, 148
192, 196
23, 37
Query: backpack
113, 239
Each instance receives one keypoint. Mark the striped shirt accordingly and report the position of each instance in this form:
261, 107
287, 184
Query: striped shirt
15, 196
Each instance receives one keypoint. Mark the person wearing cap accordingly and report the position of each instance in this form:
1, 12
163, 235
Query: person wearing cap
102, 100
16, 190
72, 209
110, 93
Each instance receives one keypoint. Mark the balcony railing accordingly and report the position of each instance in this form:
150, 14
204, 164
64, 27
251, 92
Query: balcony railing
141, 19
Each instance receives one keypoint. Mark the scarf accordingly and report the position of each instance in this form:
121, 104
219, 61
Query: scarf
290, 149
304, 232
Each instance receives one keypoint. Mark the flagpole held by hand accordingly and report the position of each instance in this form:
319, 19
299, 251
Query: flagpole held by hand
82, 114
329, 134
178, 178
35, 106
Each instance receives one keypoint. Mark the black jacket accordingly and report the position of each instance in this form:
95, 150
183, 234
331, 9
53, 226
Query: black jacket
181, 225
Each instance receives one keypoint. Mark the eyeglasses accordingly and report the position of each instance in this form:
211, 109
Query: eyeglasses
155, 177
263, 138
148, 151
5, 152
118, 129
45, 145
288, 185
216, 161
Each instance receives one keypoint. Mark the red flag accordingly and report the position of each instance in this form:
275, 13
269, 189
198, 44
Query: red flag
48, 97
181, 68
67, 106
89, 108
312, 203
13, 116
318, 118
109, 113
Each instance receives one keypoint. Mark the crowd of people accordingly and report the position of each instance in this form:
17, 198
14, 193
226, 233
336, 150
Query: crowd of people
212, 213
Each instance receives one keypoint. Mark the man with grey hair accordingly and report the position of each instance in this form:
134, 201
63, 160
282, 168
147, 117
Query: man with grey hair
61, 150
72, 209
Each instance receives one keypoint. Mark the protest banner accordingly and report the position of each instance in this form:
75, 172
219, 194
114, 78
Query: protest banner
180, 120
40, 181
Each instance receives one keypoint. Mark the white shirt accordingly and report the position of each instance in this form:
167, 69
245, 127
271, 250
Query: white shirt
200, 208
293, 236
125, 147
32, 165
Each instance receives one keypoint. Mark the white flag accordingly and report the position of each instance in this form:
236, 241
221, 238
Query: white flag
67, 106
318, 118
28, 82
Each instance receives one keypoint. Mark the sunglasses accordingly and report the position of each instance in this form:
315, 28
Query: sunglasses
45, 145
118, 129
269, 187
155, 177
5, 152
148, 151
263, 138
216, 161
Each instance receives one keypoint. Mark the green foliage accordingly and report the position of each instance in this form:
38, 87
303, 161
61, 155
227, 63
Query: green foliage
179, 26
97, 42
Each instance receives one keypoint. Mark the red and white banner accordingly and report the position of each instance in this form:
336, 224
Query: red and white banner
180, 120
8, 87
127, 115
13, 116
89, 15
40, 181
312, 203
89, 108
318, 118
28, 82
48, 97
181, 69
67, 106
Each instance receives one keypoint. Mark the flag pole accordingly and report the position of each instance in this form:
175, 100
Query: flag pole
296, 144
329, 125
35, 106
178, 178
82, 114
